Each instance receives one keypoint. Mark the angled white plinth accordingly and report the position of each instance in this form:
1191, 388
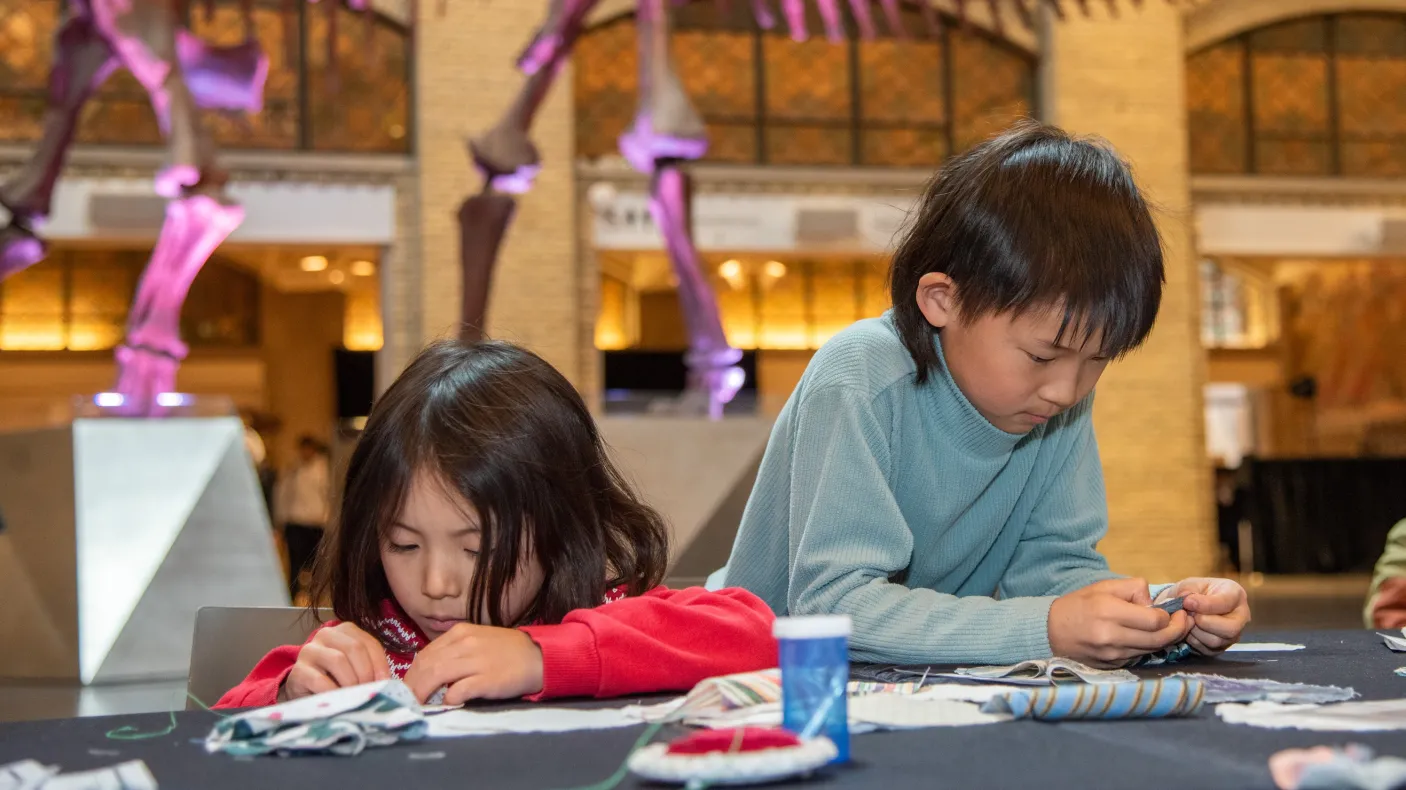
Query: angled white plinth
118, 532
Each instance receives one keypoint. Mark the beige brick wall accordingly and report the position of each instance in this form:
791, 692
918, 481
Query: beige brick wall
465, 78
1123, 79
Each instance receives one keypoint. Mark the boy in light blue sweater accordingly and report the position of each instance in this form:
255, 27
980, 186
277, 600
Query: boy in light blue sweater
935, 474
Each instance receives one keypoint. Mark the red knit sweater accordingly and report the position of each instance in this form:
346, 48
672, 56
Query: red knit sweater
664, 640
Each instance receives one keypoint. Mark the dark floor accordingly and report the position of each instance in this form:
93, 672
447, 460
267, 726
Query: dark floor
1277, 603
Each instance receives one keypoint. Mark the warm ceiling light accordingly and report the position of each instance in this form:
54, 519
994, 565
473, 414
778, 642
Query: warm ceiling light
313, 263
336, 277
730, 269
363, 268
774, 269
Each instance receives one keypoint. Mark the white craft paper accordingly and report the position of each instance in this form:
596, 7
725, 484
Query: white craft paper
464, 722
1263, 647
1372, 716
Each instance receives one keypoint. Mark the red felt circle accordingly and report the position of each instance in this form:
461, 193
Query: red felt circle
747, 739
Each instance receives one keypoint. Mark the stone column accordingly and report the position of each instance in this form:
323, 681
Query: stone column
1123, 78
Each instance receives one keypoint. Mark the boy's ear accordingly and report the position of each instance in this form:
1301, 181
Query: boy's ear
937, 299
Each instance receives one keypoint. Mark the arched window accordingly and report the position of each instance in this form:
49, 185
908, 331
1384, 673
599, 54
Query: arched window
361, 103
769, 100
1315, 96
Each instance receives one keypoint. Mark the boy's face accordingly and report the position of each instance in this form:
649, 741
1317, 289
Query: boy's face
1011, 370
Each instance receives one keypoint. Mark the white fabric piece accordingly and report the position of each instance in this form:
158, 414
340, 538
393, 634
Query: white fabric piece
1263, 647
1372, 716
1396, 643
31, 775
464, 722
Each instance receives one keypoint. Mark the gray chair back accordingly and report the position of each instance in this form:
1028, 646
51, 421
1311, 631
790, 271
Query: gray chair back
230, 640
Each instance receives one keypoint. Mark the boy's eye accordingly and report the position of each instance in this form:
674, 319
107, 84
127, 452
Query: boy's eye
401, 548
1039, 360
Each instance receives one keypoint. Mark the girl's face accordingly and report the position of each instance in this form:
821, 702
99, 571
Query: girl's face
430, 554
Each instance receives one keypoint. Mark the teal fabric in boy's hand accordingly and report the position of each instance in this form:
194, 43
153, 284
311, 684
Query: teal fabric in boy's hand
902, 507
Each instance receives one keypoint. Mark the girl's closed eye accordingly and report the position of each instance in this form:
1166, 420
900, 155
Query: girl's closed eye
1039, 360
402, 548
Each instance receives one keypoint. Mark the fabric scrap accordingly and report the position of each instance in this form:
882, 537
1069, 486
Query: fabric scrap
1155, 699
342, 722
1353, 767
713, 697
1396, 643
1223, 689
1044, 672
1361, 716
32, 775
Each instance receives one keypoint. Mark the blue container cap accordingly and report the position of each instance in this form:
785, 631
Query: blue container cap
815, 627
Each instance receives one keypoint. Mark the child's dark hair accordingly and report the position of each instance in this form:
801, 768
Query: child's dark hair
507, 432
1034, 219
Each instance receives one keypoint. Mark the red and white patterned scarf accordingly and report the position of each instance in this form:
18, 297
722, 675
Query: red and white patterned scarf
396, 628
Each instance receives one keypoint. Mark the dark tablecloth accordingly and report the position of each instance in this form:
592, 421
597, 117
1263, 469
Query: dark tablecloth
1200, 752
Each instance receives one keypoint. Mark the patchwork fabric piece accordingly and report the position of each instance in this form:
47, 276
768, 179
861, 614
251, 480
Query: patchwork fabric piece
1045, 672
1167, 655
714, 697
1150, 699
1370, 716
1353, 767
32, 775
343, 722
905, 712
1222, 689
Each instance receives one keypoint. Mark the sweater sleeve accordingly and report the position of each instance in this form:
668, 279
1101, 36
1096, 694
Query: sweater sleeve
664, 640
261, 687
1058, 551
849, 538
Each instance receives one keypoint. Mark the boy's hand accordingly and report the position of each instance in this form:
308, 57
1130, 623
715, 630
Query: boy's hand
1109, 622
1219, 612
477, 662
340, 656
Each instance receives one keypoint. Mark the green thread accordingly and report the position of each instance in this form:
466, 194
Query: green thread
129, 732
610, 782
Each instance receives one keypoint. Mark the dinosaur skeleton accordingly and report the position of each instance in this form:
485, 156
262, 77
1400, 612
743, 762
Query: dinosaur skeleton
183, 75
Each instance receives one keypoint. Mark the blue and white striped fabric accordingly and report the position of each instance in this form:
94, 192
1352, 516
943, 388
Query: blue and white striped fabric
1146, 699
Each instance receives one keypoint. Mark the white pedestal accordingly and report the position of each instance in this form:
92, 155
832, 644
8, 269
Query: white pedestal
116, 532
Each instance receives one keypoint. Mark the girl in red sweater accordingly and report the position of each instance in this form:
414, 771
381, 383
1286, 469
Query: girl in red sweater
489, 549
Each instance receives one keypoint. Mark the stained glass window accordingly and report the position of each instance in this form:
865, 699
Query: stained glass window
1321, 95
360, 103
768, 99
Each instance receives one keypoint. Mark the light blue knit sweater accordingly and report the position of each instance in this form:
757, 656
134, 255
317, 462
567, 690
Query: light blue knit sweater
945, 538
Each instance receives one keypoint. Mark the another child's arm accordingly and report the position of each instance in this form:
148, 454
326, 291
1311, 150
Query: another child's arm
664, 640
1386, 598
336, 655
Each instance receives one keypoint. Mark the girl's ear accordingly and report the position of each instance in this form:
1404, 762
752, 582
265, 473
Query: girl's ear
937, 299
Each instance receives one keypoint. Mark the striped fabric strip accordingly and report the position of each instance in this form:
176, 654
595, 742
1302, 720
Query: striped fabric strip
1149, 699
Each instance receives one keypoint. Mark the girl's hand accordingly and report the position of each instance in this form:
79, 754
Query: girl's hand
340, 656
477, 662
1109, 622
1219, 612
